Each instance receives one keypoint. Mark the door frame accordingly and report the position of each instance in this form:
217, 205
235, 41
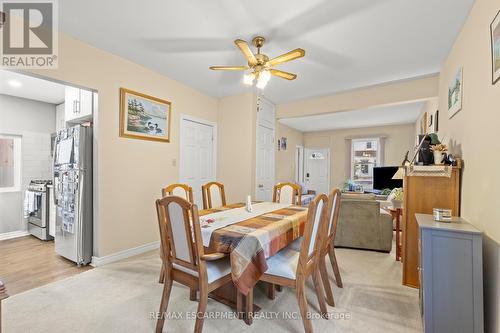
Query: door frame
299, 165
201, 121
329, 163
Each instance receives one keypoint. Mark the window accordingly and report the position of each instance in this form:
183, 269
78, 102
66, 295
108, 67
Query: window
10, 163
365, 154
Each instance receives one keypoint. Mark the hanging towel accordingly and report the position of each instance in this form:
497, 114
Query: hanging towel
31, 202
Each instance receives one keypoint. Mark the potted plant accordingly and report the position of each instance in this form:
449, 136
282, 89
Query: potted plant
396, 197
439, 150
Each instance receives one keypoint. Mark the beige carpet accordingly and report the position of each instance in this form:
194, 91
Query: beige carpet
121, 297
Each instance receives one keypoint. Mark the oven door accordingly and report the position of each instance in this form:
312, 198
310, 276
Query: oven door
38, 217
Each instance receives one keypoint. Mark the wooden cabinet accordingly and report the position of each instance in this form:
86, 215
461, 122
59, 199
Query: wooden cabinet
451, 276
78, 104
423, 192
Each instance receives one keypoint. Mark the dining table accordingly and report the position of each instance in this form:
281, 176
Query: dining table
249, 237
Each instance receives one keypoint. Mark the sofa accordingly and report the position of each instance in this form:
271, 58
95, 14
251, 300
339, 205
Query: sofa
363, 224
306, 195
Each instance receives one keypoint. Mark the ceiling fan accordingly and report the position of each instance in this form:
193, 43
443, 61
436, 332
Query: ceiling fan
260, 67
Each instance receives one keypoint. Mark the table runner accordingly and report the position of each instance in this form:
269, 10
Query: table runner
251, 241
226, 217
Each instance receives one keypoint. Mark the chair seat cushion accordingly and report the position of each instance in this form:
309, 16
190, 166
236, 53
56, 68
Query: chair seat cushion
215, 269
284, 263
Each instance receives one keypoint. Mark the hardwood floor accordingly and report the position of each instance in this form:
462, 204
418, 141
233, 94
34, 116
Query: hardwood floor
27, 263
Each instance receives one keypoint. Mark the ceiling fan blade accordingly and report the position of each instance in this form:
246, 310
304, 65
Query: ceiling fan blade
245, 49
297, 53
228, 68
283, 75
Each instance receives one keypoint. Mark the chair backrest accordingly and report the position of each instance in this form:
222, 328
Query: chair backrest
181, 190
288, 193
213, 195
314, 233
181, 240
334, 203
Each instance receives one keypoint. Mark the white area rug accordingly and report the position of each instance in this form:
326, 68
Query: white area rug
122, 297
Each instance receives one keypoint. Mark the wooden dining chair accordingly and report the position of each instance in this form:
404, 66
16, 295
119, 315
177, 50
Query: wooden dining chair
183, 256
290, 268
213, 195
181, 190
328, 247
287, 193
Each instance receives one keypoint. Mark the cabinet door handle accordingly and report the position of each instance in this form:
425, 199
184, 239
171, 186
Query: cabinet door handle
77, 106
74, 106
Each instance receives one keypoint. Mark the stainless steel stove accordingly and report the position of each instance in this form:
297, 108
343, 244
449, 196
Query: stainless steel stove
39, 209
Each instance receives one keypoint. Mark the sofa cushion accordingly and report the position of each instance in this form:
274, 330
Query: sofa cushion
303, 187
306, 199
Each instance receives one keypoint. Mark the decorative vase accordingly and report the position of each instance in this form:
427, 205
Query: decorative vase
397, 203
438, 157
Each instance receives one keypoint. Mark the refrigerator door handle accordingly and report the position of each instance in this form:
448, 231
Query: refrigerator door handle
79, 239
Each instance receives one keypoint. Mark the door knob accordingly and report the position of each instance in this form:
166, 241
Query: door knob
261, 186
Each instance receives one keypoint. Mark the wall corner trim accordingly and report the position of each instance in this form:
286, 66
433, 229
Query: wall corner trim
100, 261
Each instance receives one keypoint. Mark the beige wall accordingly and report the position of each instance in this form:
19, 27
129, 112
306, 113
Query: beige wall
131, 172
285, 159
430, 106
379, 95
472, 133
398, 140
236, 145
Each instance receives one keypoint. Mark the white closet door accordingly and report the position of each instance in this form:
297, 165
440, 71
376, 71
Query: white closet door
197, 156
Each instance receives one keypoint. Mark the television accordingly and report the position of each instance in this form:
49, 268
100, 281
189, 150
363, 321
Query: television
382, 178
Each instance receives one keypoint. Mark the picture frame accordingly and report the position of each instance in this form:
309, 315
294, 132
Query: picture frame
144, 117
436, 121
495, 48
455, 93
283, 143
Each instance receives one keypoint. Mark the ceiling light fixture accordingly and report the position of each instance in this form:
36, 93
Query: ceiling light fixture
248, 78
263, 79
259, 66
14, 83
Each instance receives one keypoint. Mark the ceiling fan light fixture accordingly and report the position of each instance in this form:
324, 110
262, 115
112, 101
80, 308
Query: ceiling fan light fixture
248, 78
263, 79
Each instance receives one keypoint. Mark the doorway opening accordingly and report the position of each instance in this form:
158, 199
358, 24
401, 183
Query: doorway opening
47, 212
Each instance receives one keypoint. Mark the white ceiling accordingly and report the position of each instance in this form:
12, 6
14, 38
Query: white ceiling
379, 116
31, 88
349, 43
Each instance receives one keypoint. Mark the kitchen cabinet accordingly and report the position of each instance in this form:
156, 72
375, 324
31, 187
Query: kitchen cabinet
78, 104
60, 121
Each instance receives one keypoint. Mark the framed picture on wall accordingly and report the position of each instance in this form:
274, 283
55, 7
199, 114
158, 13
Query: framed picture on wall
455, 91
495, 48
436, 121
144, 117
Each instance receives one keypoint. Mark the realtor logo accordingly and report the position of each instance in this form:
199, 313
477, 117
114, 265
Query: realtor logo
29, 34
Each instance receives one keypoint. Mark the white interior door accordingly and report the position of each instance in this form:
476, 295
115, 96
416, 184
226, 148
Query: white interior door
264, 172
265, 164
317, 170
197, 164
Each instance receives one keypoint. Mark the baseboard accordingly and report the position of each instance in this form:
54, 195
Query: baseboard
100, 261
13, 234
